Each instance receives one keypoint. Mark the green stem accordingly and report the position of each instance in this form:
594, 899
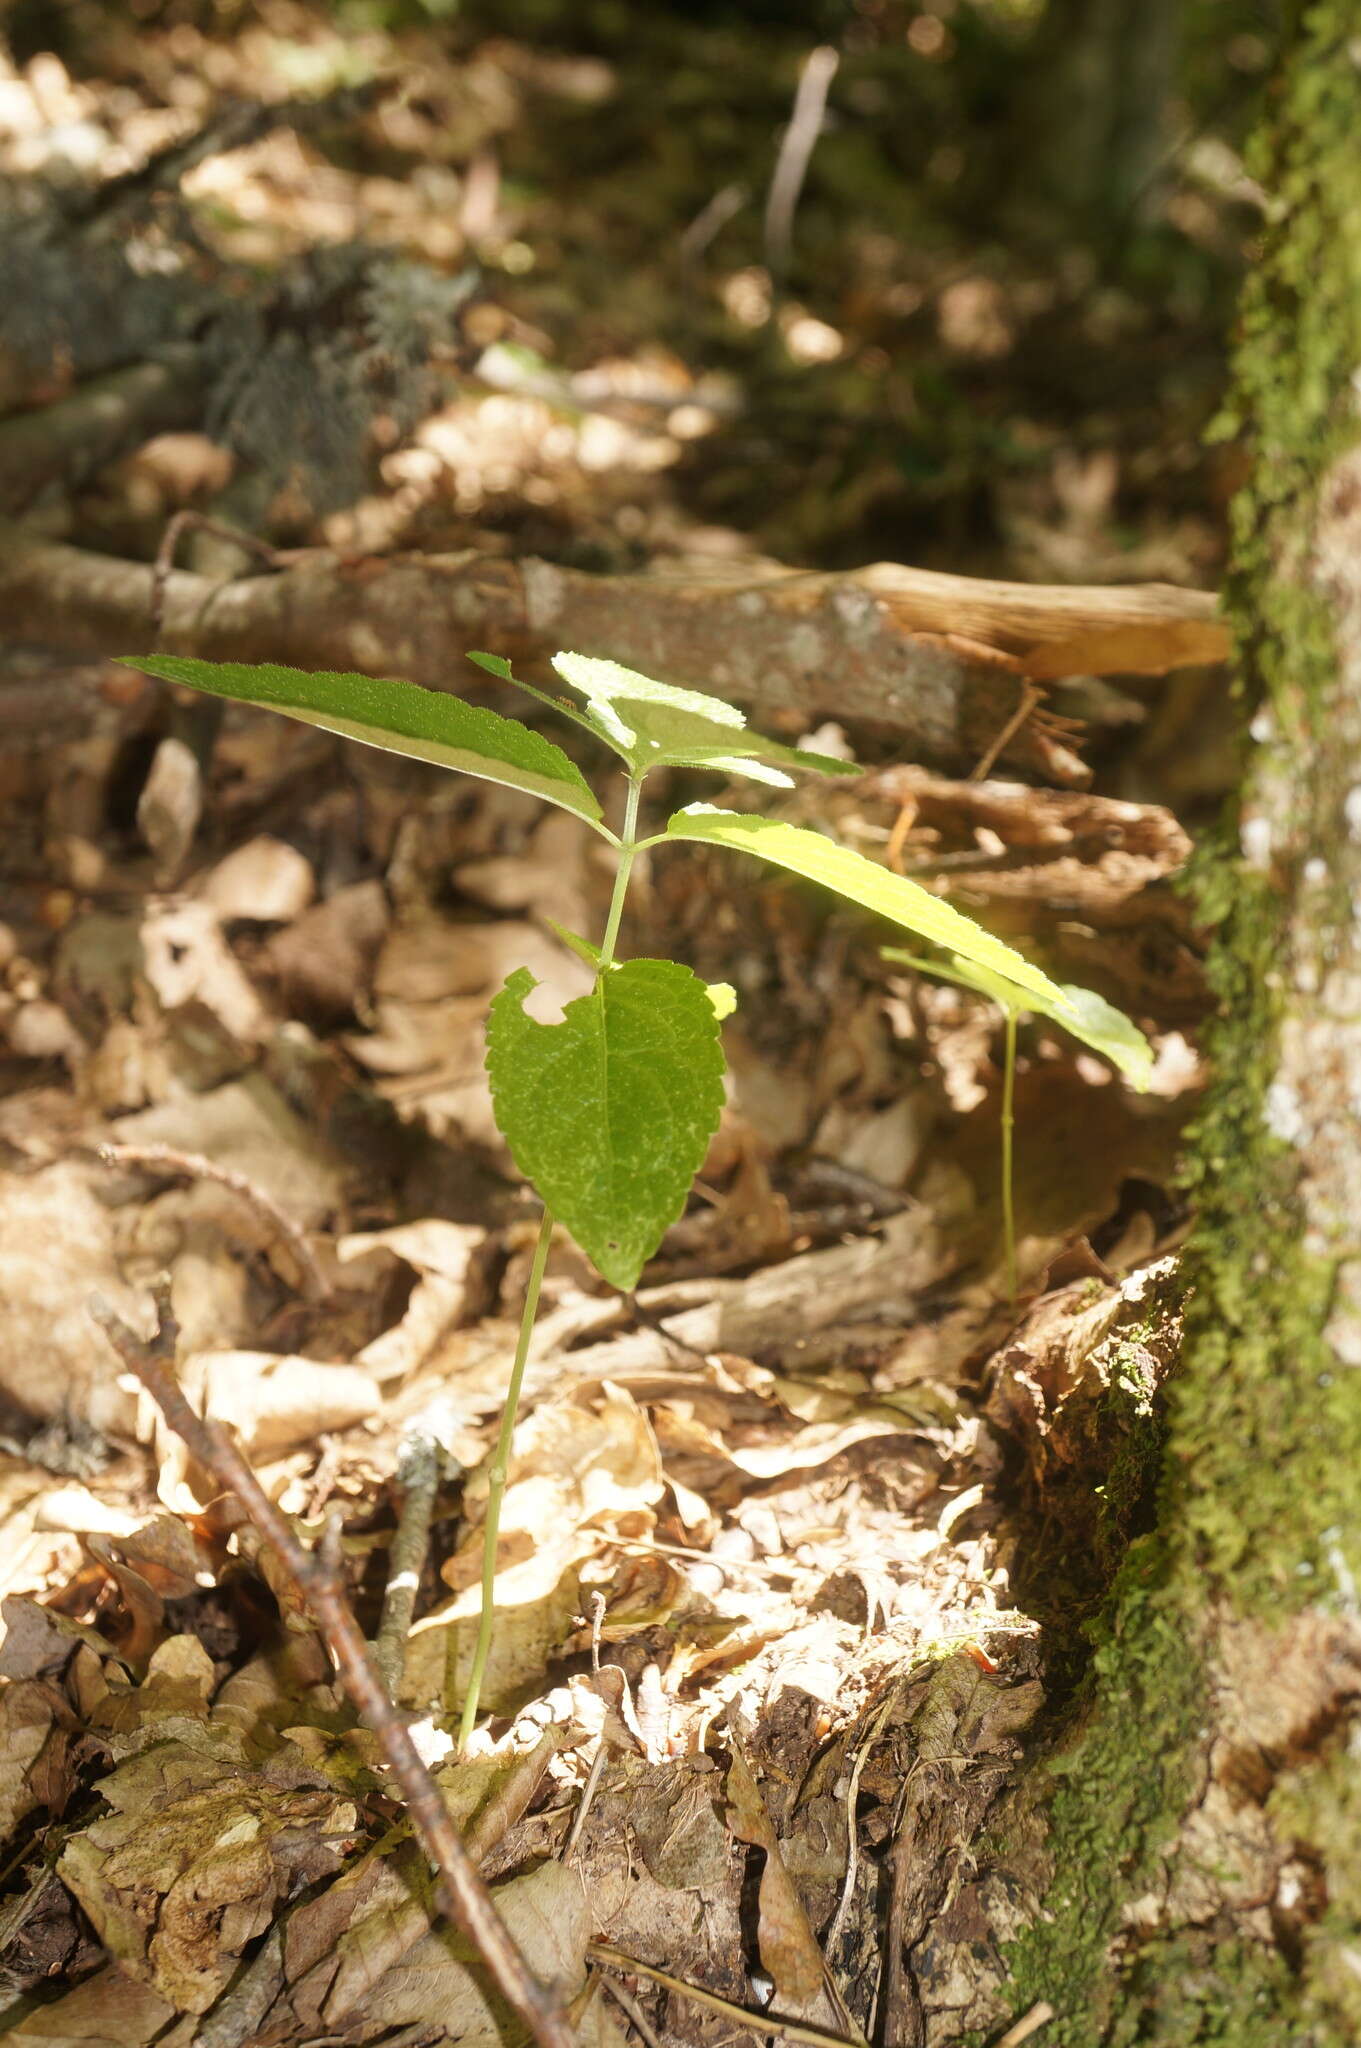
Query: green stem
1008, 1127
496, 1478
496, 1484
628, 847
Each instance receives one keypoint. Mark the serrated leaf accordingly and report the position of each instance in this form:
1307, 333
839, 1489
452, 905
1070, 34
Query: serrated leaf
1085, 1015
401, 718
609, 1114
862, 881
656, 725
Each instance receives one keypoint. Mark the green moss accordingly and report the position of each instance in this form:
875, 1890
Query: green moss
1191, 1990
1265, 1437
1120, 1785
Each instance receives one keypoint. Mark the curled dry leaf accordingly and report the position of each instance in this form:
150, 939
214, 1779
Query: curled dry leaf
788, 1948
272, 1402
204, 1836
442, 1254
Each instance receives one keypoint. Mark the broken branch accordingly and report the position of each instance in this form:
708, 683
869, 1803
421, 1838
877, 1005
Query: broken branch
192, 1166
460, 1891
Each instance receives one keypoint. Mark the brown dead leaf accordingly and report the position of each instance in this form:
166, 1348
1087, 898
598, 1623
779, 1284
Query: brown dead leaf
443, 1254
439, 1979
786, 1942
26, 1723
549, 878
109, 2010
265, 880
56, 1249
323, 960
582, 1468
185, 959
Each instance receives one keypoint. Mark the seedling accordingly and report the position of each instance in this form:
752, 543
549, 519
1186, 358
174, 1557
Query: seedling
1080, 1011
609, 1113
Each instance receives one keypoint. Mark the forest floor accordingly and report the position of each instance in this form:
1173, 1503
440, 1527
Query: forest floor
800, 1540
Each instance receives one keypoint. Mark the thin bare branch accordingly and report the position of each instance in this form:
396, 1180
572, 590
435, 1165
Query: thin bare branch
418, 1473
192, 1166
459, 1890
796, 149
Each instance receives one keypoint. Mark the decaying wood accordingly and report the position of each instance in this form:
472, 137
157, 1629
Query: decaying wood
1058, 629
921, 656
73, 438
459, 1889
1089, 879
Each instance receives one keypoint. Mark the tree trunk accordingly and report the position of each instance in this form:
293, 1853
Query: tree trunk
1191, 1858
1106, 70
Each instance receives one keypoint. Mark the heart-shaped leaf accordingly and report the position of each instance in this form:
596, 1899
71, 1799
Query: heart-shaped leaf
609, 1114
400, 717
656, 725
873, 887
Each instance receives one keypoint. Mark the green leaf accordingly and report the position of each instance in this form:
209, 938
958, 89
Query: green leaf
655, 725
574, 942
1084, 1014
609, 1113
399, 717
1110, 1032
864, 882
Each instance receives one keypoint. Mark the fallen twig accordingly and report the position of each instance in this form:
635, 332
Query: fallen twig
418, 1472
1029, 2023
630, 2007
759, 2022
190, 521
911, 650
805, 125
459, 1890
192, 1166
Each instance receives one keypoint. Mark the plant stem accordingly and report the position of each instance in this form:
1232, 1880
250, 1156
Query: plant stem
496, 1484
496, 1478
628, 847
1008, 1127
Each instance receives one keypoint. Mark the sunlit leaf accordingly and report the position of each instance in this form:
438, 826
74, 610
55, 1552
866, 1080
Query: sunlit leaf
609, 1113
1084, 1014
862, 881
400, 717
656, 725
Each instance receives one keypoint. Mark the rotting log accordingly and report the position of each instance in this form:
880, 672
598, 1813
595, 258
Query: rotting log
69, 440
939, 662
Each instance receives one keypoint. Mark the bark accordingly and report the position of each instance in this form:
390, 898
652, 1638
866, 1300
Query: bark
941, 662
1190, 1860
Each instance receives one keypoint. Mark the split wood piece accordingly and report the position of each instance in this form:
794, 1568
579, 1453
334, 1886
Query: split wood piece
1090, 880
459, 1889
923, 657
1060, 629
